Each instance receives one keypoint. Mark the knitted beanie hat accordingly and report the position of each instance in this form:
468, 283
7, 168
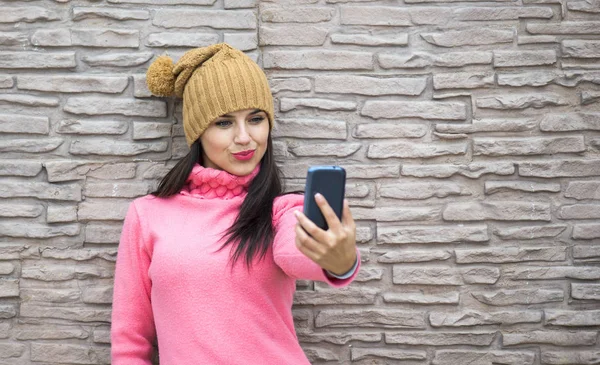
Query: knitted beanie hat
213, 80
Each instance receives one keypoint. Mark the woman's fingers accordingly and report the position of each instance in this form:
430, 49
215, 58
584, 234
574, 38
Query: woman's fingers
330, 217
310, 227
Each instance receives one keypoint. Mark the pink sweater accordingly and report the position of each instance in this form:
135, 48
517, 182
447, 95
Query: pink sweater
171, 287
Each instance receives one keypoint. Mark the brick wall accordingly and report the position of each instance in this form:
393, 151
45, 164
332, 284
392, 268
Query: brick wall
469, 131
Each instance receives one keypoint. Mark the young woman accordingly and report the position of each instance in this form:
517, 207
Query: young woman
207, 264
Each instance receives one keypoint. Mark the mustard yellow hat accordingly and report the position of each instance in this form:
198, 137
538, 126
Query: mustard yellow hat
213, 80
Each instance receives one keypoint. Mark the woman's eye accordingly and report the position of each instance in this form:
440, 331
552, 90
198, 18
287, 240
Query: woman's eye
258, 120
222, 123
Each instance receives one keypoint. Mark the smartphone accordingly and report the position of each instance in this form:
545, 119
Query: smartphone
330, 181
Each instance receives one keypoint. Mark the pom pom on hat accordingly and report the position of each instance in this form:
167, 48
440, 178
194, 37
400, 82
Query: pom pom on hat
160, 78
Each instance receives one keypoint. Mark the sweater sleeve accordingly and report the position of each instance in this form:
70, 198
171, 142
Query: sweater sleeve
132, 330
285, 253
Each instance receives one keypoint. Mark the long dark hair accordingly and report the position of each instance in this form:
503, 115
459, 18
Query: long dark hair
253, 226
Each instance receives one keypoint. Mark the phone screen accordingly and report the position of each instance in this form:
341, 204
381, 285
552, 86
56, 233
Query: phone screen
330, 181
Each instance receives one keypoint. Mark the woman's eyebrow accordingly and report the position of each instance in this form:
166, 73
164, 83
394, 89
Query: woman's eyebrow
253, 112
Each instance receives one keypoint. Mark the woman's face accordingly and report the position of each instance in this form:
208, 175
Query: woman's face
242, 130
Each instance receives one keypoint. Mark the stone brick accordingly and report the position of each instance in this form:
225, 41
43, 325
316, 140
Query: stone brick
415, 150
303, 128
292, 35
524, 58
80, 13
581, 48
37, 60
560, 168
425, 190
444, 275
572, 318
100, 295
589, 97
35, 230
478, 338
365, 85
21, 123
114, 38
508, 297
556, 338
73, 84
327, 149
62, 352
502, 13
474, 318
90, 127
586, 231
368, 40
194, 18
9, 350
584, 6
532, 78
102, 233
374, 15
553, 273
381, 130
570, 357
579, 211
13, 39
452, 357
338, 338
105, 209
463, 80
493, 187
30, 145
469, 37
320, 354
414, 256
291, 84
357, 354
317, 60
241, 41
77, 170
7, 311
173, 39
418, 297
497, 210
498, 146
565, 27
384, 318
129, 107
346, 296
287, 104
489, 125
414, 109
582, 190
61, 214
63, 272
520, 101
564, 122
585, 291
432, 234
295, 14
6, 81
510, 254
21, 210
108, 254
9, 288
588, 253
28, 100
421, 60
115, 190
115, 148
473, 170
60, 37
49, 332
117, 59
28, 14
529, 232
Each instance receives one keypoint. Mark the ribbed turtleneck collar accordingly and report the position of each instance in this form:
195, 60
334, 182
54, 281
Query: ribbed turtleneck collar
210, 183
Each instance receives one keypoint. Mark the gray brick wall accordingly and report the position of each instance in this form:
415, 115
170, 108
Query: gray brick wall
469, 131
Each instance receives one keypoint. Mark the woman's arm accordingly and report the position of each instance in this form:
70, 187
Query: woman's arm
132, 330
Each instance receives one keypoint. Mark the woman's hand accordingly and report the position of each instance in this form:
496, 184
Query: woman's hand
334, 249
